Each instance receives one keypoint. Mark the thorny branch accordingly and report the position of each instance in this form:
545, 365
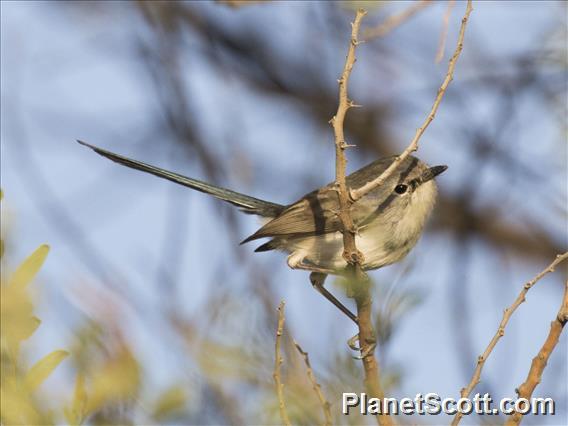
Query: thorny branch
378, 181
277, 363
466, 391
350, 253
353, 257
317, 388
541, 359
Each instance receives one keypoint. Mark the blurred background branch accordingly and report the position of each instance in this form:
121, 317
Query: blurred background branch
232, 95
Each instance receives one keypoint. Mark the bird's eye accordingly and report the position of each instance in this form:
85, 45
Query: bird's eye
400, 189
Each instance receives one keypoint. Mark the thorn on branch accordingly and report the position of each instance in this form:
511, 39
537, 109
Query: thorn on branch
344, 145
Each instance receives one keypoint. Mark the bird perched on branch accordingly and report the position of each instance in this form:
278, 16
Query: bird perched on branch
389, 219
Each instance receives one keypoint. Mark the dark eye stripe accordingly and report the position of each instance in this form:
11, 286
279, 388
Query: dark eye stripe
404, 174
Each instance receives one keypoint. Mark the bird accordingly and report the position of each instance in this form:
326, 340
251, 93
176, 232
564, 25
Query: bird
389, 219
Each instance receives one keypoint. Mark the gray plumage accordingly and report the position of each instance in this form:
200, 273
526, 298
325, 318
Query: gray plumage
246, 203
389, 219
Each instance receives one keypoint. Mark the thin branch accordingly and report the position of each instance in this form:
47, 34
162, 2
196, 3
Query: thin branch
369, 186
466, 391
354, 258
316, 386
277, 363
394, 21
444, 33
541, 359
350, 253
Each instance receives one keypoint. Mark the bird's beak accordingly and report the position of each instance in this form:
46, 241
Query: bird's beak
432, 172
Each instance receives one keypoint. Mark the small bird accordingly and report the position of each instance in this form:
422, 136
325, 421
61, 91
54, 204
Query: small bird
389, 219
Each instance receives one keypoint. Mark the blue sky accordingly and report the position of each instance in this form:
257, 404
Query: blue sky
68, 74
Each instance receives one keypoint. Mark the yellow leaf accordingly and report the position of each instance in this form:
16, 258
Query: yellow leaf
43, 368
118, 380
170, 402
69, 416
75, 414
16, 405
24, 329
17, 322
29, 268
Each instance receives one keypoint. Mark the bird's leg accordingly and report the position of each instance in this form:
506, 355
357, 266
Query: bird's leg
317, 279
369, 350
366, 352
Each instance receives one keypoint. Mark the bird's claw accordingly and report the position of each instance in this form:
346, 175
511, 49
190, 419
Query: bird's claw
352, 343
364, 353
367, 351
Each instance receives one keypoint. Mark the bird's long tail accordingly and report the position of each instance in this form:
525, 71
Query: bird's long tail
246, 203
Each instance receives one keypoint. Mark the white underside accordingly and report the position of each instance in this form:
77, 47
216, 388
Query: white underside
326, 251
383, 242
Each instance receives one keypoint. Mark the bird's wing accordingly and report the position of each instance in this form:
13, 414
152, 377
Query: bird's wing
314, 214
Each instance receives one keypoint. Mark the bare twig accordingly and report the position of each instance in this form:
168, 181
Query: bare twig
394, 21
541, 359
353, 257
277, 363
317, 388
466, 391
369, 186
444, 33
